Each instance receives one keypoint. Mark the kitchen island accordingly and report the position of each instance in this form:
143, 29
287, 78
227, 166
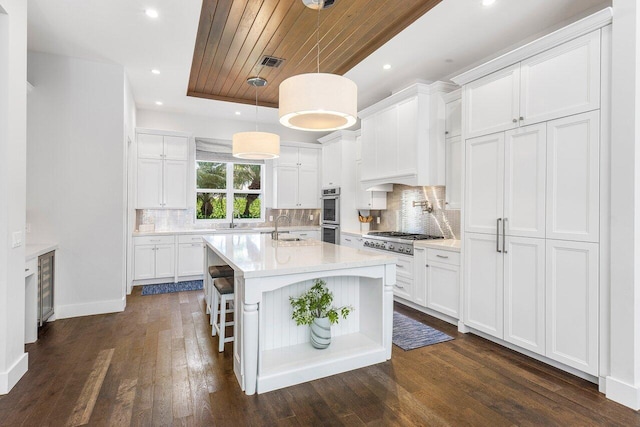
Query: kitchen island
270, 351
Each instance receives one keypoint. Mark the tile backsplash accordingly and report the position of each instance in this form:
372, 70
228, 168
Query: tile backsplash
180, 219
401, 215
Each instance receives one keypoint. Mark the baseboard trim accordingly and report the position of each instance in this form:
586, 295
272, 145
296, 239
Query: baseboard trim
90, 308
623, 393
11, 377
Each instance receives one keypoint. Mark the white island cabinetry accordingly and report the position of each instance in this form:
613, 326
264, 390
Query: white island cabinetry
270, 351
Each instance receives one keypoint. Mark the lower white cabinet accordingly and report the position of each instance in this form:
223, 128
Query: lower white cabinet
572, 304
306, 234
190, 259
539, 294
437, 280
154, 257
352, 241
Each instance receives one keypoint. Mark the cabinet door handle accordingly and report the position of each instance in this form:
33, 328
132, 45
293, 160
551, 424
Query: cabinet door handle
498, 234
521, 118
348, 240
427, 265
442, 256
504, 226
399, 266
26, 269
515, 120
398, 286
446, 132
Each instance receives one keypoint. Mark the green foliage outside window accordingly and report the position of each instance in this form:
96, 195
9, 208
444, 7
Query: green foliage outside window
213, 205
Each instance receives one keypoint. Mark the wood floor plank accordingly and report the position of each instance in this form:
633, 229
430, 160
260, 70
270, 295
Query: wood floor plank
85, 403
165, 369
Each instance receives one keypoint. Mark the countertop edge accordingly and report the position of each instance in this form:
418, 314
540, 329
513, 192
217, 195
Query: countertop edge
32, 251
452, 245
223, 230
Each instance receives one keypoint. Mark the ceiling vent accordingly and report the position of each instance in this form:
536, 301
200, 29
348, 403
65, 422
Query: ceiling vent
318, 4
271, 61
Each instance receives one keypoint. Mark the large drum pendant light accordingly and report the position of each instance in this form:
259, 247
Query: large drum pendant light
256, 145
318, 101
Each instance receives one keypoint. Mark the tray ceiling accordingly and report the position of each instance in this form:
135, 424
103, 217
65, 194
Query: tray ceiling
235, 35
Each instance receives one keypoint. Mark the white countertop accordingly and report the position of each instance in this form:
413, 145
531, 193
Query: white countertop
224, 230
35, 250
446, 244
259, 256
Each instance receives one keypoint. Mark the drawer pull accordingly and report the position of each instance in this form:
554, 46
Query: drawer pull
154, 240
399, 266
442, 256
195, 245
348, 240
398, 286
26, 269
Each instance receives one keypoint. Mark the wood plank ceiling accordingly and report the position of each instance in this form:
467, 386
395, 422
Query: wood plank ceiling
235, 35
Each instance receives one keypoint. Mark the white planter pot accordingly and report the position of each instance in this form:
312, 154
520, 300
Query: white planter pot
321, 333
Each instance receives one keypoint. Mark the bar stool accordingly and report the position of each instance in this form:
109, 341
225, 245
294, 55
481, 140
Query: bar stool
222, 294
215, 271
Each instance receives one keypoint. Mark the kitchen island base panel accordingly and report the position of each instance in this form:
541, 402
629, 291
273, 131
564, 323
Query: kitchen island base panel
287, 366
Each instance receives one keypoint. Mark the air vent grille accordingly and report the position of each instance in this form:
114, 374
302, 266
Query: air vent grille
271, 61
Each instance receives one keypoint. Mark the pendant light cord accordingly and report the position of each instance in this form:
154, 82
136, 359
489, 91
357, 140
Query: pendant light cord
256, 107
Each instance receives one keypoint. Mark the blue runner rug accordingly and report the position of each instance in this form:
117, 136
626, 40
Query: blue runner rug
166, 288
409, 334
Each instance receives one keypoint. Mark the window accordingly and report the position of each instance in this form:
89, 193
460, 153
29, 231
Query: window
226, 189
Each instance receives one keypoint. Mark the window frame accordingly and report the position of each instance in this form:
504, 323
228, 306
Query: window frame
230, 193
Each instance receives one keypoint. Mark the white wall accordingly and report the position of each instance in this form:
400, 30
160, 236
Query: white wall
623, 383
207, 127
13, 76
76, 178
130, 119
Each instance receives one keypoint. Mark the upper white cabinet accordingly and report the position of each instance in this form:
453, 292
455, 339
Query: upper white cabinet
453, 149
558, 82
573, 178
332, 163
162, 170
403, 137
295, 179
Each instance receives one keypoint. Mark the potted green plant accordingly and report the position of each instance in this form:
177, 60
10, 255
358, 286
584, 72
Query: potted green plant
314, 308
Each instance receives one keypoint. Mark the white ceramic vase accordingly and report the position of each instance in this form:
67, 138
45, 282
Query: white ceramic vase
321, 333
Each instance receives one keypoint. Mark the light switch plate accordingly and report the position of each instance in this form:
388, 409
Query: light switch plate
16, 239
377, 220
270, 218
310, 217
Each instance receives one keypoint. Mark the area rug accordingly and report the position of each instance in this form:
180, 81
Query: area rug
409, 334
166, 288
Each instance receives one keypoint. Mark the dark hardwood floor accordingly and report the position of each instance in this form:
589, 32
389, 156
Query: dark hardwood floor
156, 364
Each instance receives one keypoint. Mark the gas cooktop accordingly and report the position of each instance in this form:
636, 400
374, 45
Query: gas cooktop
385, 235
395, 241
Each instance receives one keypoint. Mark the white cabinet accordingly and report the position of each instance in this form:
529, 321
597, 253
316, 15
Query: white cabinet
162, 170
332, 163
306, 234
524, 293
505, 182
483, 284
573, 178
572, 304
295, 179
366, 199
351, 240
437, 280
154, 257
190, 259
453, 114
559, 82
453, 190
403, 137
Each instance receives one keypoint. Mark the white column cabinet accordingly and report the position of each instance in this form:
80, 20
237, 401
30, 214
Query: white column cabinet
559, 82
295, 179
524, 182
491, 103
483, 284
572, 304
524, 292
162, 170
484, 183
573, 178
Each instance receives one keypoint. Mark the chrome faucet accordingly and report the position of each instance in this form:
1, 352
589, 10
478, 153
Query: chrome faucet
232, 225
274, 234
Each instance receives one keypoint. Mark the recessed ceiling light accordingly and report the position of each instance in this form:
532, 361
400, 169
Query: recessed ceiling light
155, 71
238, 113
488, 2
158, 102
386, 67
151, 13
